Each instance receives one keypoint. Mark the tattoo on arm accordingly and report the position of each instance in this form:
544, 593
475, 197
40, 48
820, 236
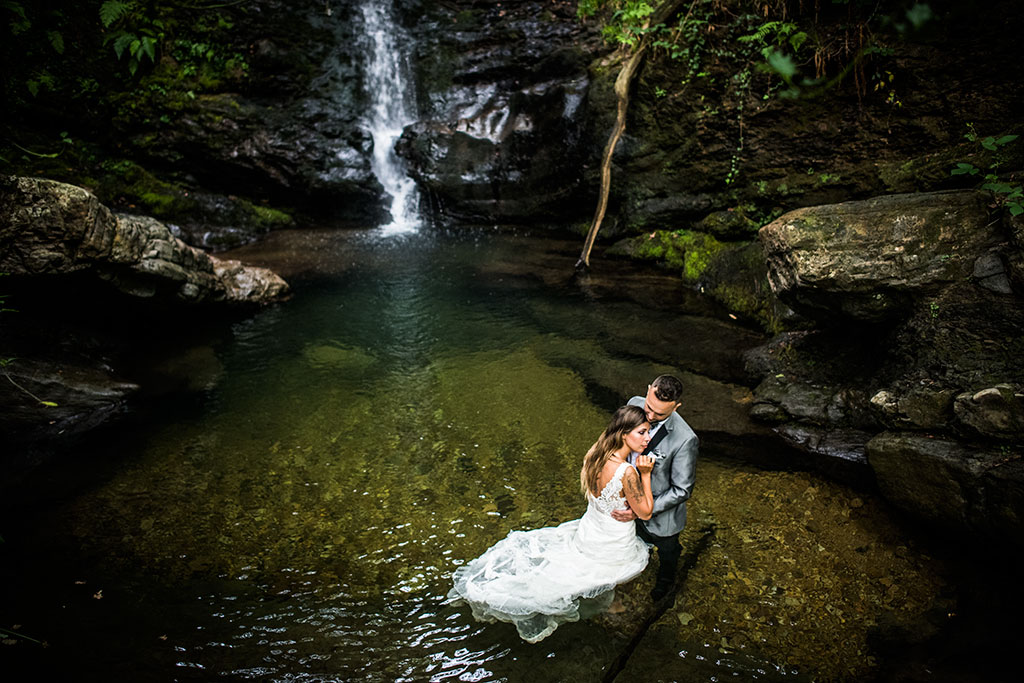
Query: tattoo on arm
634, 489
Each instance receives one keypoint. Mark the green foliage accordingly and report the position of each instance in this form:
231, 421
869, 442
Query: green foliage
772, 38
920, 14
21, 22
775, 34
137, 34
64, 140
112, 12
627, 23
1012, 196
21, 25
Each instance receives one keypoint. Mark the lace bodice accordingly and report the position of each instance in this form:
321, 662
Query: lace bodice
611, 497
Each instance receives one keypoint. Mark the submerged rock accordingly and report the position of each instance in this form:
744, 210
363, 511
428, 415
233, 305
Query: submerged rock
44, 400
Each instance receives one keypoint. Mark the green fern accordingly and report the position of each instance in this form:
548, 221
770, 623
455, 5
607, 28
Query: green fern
122, 41
56, 41
113, 11
760, 34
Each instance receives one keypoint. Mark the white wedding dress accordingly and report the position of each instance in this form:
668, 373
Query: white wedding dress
537, 579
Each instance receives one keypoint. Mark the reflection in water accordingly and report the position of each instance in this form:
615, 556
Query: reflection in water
392, 422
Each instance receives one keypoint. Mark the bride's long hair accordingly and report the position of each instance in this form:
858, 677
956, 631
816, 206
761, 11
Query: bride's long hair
625, 420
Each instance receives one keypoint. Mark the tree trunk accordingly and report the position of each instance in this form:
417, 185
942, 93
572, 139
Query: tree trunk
622, 85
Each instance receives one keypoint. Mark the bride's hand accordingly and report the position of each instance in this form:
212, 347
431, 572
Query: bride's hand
644, 463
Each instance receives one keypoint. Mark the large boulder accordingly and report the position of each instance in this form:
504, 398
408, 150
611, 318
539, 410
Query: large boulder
51, 229
69, 257
914, 358
963, 489
876, 259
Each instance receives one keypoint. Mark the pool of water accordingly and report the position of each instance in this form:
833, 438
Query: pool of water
297, 516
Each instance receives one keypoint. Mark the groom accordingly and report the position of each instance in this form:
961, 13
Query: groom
674, 449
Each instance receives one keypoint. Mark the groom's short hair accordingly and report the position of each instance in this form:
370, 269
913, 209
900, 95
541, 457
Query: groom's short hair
667, 388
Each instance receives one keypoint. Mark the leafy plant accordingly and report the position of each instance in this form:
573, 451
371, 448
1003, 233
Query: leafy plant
627, 23
1011, 195
136, 35
64, 140
776, 34
21, 22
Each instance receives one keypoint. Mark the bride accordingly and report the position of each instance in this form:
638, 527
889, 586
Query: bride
541, 578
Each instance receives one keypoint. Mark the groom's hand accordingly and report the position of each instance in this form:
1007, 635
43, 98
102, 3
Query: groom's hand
626, 515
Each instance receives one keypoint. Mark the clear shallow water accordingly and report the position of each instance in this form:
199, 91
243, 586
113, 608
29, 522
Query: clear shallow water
417, 399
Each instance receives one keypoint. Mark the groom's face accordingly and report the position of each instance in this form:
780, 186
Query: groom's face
656, 409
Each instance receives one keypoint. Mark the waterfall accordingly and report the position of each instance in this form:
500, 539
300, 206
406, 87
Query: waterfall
390, 111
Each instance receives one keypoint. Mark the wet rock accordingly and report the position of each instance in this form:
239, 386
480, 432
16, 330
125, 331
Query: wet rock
50, 229
955, 487
916, 303
500, 138
930, 478
78, 396
920, 408
991, 274
732, 273
952, 486
996, 412
244, 283
200, 218
835, 443
875, 259
798, 400
770, 413
296, 135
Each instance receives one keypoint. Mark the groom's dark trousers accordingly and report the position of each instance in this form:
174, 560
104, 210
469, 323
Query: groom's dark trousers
669, 550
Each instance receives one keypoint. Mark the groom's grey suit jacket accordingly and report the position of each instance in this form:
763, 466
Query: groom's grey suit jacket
675, 469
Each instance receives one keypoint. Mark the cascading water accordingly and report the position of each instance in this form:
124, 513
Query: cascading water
390, 111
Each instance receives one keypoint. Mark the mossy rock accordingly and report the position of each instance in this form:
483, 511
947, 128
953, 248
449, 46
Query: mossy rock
226, 221
732, 273
128, 185
730, 224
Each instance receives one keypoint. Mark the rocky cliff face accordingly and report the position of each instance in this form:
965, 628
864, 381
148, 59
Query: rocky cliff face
713, 150
911, 357
501, 87
294, 132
